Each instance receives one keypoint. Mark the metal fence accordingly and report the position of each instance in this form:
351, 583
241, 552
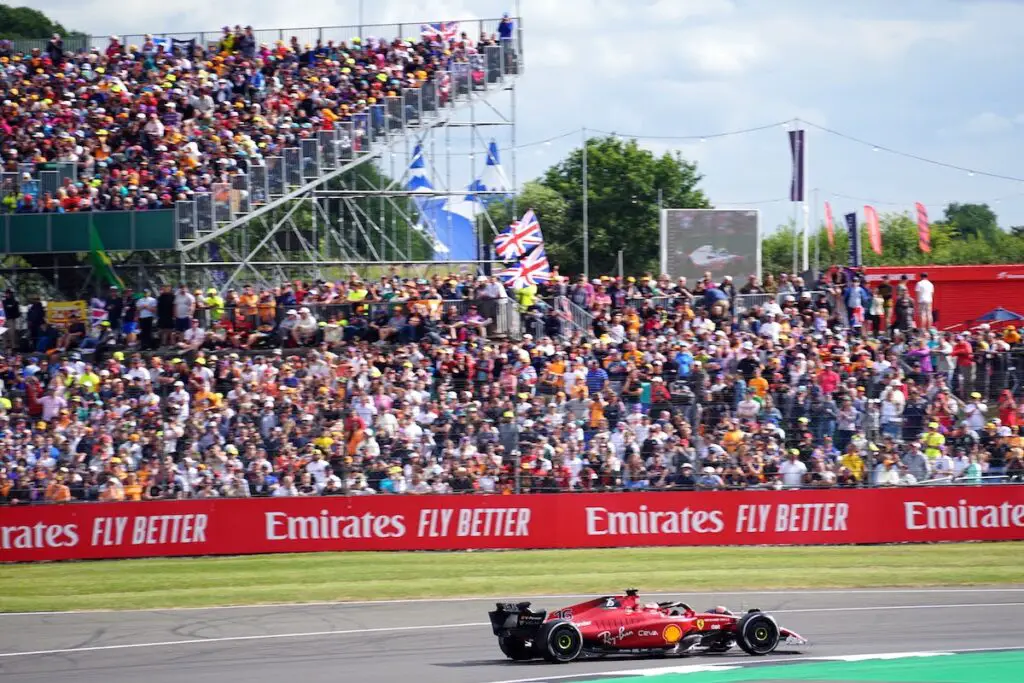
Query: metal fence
474, 28
502, 314
526, 481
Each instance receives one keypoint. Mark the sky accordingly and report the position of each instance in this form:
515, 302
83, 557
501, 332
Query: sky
937, 79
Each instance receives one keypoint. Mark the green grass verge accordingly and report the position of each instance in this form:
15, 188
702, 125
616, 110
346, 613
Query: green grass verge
133, 584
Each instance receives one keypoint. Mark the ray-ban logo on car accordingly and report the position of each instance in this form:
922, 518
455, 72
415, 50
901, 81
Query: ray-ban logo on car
608, 638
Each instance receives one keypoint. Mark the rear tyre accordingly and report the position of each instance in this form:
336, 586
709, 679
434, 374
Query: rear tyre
757, 634
559, 642
516, 649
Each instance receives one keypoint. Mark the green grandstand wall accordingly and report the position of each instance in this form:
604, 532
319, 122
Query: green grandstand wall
69, 233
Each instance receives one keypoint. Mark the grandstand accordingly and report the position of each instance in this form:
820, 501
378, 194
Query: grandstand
251, 155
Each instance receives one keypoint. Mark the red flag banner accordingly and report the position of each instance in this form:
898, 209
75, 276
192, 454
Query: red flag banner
874, 231
924, 232
830, 227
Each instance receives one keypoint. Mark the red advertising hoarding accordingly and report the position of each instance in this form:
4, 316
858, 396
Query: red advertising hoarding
240, 527
962, 293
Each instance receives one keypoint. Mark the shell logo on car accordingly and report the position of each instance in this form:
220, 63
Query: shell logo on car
672, 633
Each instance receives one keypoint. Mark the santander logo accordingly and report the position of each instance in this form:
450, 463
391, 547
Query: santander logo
1003, 275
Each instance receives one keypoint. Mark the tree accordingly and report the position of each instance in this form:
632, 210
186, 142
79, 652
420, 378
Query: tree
623, 183
973, 220
950, 244
25, 23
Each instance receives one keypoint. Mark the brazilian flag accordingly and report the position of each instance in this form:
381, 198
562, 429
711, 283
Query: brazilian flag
101, 264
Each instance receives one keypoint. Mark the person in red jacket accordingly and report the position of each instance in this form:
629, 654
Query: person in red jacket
963, 352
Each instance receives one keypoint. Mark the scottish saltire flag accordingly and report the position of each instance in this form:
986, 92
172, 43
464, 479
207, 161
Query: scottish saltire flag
446, 31
492, 181
520, 237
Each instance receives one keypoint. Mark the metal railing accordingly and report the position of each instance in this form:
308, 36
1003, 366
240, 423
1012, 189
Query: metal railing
310, 35
502, 314
744, 302
519, 481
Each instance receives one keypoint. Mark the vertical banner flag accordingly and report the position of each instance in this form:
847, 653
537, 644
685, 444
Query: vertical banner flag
829, 226
924, 232
796, 151
854, 235
874, 231
102, 267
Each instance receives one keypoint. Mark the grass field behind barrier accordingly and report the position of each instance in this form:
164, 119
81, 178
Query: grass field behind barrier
212, 581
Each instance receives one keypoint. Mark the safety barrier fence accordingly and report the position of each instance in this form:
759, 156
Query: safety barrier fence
501, 315
430, 522
474, 28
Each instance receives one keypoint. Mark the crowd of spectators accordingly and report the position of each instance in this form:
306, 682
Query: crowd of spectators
674, 386
155, 122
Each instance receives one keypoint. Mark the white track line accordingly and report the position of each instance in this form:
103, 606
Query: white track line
563, 596
431, 627
725, 665
231, 639
812, 610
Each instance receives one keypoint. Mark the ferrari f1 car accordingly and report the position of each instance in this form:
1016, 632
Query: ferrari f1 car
622, 624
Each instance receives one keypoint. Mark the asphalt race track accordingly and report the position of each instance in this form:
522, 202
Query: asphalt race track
450, 642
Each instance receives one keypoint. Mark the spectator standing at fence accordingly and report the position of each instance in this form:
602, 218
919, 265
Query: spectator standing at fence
165, 314
893, 401
147, 312
924, 291
12, 314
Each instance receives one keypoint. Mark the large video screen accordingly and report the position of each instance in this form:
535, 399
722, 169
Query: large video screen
720, 241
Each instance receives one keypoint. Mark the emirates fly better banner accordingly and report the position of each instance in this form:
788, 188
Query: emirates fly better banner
238, 527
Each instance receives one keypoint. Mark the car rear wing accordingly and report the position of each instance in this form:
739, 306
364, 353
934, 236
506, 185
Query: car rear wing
516, 618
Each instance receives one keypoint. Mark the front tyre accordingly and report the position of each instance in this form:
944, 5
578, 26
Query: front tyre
516, 649
559, 642
757, 634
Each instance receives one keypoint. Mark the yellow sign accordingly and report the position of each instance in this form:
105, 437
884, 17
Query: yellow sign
60, 312
700, 624
672, 633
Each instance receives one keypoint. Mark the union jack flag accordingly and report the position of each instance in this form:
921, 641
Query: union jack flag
445, 32
510, 275
532, 269
520, 237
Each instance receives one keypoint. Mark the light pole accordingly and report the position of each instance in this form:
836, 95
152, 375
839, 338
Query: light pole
586, 213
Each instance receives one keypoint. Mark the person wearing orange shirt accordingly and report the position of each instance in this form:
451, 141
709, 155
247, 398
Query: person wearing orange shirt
758, 384
57, 491
132, 487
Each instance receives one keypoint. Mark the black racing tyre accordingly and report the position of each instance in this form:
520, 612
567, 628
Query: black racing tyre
516, 649
757, 634
559, 641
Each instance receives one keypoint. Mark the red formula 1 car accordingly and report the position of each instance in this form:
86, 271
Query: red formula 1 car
622, 624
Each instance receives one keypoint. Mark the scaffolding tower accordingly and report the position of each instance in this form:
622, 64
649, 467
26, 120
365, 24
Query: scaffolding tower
340, 203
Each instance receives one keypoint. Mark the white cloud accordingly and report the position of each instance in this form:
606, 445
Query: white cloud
988, 123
